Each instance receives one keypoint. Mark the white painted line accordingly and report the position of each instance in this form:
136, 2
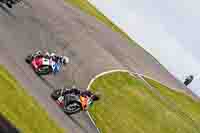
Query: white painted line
99, 75
89, 85
104, 73
93, 122
156, 81
121, 70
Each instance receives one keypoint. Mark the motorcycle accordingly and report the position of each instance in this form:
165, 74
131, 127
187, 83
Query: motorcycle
188, 80
71, 102
43, 64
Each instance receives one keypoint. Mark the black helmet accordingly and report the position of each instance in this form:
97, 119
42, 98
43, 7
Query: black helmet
95, 97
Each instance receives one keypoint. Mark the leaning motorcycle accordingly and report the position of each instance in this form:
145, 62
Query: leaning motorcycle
44, 65
70, 103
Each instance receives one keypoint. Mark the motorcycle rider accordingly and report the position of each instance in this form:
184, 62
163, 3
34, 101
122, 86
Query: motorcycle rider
86, 97
58, 59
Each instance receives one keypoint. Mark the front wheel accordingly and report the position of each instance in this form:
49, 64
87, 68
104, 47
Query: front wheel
28, 59
72, 107
44, 70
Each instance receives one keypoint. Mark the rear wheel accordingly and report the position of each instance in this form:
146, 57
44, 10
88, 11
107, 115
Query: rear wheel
72, 105
43, 70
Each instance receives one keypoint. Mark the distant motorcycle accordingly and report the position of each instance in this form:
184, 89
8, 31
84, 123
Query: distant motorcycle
10, 3
73, 100
44, 64
188, 80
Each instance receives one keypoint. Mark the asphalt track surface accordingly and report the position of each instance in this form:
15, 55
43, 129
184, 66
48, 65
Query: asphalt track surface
92, 47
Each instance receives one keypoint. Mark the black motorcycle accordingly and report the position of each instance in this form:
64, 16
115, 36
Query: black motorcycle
188, 80
73, 100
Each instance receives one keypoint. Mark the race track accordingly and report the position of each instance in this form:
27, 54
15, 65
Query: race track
92, 47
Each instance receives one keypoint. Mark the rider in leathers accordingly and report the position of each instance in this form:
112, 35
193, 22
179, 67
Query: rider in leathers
86, 97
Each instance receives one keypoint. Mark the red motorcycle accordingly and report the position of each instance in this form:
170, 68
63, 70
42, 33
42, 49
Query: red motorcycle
44, 64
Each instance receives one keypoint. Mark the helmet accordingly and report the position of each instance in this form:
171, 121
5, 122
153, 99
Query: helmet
38, 52
65, 60
95, 97
52, 54
47, 54
74, 87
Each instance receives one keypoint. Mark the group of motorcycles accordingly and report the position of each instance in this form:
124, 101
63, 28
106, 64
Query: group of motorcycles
10, 3
70, 100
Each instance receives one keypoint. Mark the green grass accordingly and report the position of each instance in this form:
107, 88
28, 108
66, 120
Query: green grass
21, 109
85, 6
184, 101
128, 106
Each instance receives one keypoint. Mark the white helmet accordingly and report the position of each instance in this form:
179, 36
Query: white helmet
47, 54
52, 54
74, 87
65, 60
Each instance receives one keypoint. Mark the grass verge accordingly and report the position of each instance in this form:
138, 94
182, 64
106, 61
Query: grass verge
128, 106
184, 101
21, 109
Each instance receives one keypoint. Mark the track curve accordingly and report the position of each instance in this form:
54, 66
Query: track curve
92, 47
